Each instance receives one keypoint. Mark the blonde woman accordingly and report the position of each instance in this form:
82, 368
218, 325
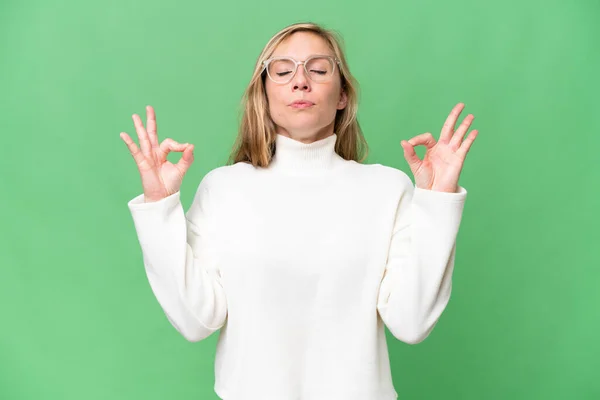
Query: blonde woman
296, 251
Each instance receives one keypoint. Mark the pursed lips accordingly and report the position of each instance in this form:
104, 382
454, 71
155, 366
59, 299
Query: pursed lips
301, 104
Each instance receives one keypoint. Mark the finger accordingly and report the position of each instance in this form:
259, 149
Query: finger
425, 139
168, 145
187, 158
460, 132
450, 123
142, 135
151, 127
133, 149
466, 144
409, 153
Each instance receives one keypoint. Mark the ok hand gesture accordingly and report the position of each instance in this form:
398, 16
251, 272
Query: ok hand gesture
440, 168
160, 178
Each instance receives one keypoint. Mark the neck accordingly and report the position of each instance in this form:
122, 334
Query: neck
296, 157
308, 134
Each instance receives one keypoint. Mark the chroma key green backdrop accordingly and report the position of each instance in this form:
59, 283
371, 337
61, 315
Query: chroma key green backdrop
79, 320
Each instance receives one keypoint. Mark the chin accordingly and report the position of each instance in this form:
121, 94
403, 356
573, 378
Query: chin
304, 127
308, 122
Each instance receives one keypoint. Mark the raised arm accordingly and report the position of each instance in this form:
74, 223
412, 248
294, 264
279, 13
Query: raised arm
178, 256
417, 281
176, 247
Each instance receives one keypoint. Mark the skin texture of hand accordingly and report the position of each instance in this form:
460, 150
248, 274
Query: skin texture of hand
160, 178
440, 168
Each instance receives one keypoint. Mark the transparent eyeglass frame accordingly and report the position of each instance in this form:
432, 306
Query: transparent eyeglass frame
334, 61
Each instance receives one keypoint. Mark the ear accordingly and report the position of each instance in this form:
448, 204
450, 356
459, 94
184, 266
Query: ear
343, 100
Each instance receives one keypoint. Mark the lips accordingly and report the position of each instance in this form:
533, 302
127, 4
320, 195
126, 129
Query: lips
302, 104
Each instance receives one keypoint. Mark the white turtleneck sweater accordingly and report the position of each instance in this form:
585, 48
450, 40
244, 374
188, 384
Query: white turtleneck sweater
299, 266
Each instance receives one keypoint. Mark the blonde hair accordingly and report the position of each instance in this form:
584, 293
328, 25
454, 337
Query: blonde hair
255, 142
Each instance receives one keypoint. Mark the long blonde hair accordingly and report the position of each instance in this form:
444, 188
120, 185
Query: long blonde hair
255, 142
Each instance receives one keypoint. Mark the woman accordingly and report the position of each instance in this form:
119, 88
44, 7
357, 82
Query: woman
298, 252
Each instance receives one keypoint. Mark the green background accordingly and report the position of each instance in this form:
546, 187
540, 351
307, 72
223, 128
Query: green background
79, 320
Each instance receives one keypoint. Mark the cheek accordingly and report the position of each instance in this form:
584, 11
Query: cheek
333, 95
275, 100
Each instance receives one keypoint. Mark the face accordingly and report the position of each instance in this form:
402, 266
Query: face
314, 120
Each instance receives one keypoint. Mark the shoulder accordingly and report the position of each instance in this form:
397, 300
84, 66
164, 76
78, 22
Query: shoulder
225, 175
380, 174
229, 172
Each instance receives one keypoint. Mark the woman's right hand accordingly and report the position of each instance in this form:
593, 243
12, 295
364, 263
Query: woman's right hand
160, 178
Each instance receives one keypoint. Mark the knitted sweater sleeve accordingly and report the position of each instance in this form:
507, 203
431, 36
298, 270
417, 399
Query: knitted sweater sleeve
177, 253
417, 280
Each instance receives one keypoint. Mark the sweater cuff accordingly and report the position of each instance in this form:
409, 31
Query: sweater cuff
424, 195
137, 203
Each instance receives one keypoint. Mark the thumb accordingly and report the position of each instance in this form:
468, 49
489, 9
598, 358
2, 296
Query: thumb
410, 154
187, 158
168, 145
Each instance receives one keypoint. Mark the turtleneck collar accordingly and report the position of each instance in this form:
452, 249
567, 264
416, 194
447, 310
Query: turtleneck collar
294, 156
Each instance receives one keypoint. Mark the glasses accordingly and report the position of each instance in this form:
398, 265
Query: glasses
318, 68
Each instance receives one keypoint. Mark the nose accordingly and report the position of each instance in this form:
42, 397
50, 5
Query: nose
300, 80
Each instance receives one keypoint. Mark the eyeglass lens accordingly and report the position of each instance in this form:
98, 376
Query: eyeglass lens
319, 69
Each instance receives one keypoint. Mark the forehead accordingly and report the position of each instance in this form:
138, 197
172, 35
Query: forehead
301, 45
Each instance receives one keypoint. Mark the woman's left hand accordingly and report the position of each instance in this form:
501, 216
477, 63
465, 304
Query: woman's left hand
440, 168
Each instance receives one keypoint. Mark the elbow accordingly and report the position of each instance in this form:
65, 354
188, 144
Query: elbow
196, 335
411, 337
414, 334
192, 332
416, 327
